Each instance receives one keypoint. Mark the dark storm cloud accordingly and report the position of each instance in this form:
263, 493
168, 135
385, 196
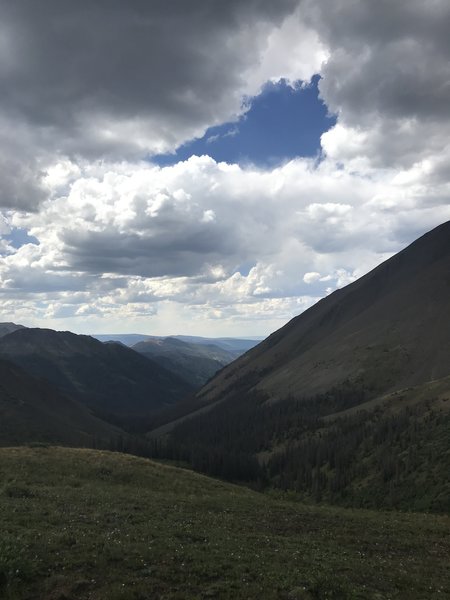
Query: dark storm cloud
78, 69
21, 167
150, 256
388, 58
20, 183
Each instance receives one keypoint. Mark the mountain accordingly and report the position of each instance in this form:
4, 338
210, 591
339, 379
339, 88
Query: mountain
194, 362
128, 339
6, 328
108, 378
234, 345
237, 345
196, 359
32, 410
350, 401
388, 330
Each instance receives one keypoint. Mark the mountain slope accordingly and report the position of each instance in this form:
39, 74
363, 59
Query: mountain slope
109, 378
388, 330
348, 403
6, 328
31, 410
194, 362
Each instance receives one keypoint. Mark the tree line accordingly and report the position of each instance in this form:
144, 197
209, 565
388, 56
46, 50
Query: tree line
306, 445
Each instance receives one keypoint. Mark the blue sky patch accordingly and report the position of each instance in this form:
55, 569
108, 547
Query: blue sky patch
282, 123
19, 237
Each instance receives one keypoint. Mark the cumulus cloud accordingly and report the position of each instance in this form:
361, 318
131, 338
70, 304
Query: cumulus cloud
311, 277
387, 77
220, 239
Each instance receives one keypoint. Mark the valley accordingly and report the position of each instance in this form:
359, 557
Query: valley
348, 403
119, 465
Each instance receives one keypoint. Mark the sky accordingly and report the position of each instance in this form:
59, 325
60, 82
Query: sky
213, 168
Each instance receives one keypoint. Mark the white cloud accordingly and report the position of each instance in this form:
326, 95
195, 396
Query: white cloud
311, 277
126, 239
292, 52
387, 77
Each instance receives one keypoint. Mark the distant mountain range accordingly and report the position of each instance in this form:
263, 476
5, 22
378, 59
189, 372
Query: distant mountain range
358, 381
66, 388
195, 359
128, 339
226, 343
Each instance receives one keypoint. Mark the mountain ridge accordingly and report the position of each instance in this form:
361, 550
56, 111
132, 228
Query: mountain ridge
348, 306
9, 327
109, 378
194, 362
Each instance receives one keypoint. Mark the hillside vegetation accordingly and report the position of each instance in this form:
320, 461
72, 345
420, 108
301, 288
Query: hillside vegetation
390, 453
81, 524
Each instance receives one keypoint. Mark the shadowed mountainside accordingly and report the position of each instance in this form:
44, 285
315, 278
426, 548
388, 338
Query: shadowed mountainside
32, 410
108, 378
6, 328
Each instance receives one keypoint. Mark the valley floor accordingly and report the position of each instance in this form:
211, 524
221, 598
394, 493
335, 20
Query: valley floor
81, 524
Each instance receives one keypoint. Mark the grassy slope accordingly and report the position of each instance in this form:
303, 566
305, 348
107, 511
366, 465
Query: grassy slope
80, 524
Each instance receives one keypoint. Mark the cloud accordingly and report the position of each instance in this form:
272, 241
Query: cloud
128, 238
113, 77
388, 60
91, 89
114, 80
387, 77
311, 277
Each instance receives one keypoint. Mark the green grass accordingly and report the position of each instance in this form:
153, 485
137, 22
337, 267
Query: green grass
81, 524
